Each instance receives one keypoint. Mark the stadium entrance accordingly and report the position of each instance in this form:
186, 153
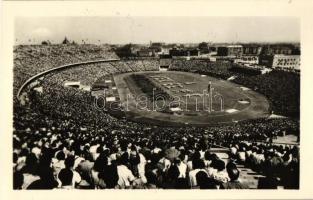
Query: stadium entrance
165, 62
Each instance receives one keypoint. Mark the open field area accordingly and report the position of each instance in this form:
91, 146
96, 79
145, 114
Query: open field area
191, 104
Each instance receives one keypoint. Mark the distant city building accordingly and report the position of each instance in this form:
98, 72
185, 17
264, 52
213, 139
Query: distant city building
145, 53
230, 50
222, 51
193, 52
157, 47
212, 49
184, 52
128, 50
286, 49
167, 47
250, 49
281, 61
178, 52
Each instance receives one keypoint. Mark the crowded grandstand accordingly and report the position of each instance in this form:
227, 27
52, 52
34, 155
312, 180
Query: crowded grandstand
62, 141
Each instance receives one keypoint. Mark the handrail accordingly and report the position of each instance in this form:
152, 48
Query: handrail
31, 79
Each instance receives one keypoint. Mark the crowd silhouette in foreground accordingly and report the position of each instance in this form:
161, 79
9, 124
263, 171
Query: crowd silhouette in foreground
72, 157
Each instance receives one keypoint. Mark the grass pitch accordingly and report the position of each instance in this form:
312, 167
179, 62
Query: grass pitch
191, 103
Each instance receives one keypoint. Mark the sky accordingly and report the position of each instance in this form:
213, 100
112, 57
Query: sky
122, 30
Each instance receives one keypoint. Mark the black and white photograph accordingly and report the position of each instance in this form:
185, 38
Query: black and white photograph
156, 103
132, 102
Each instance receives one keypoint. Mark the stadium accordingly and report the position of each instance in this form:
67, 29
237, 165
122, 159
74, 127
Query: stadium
80, 108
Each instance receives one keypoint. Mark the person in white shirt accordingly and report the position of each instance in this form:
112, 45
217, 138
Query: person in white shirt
242, 154
233, 150
182, 167
198, 165
141, 168
93, 151
125, 176
58, 162
220, 175
165, 164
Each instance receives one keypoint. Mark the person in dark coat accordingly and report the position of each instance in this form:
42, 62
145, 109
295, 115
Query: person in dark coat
234, 182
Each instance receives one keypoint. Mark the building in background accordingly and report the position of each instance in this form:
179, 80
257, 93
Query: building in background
145, 52
184, 52
230, 50
286, 49
251, 49
156, 47
128, 50
286, 62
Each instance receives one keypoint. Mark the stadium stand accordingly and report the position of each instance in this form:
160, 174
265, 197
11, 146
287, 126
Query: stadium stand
32, 59
60, 140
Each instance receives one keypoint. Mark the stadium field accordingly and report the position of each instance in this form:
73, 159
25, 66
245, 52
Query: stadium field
194, 99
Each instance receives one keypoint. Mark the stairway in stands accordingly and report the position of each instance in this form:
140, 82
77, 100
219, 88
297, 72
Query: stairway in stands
247, 175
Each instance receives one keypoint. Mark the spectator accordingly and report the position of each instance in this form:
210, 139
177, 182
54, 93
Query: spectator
69, 173
198, 165
220, 175
58, 162
234, 182
125, 175
204, 181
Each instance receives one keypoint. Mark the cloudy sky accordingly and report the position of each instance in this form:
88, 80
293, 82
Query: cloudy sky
119, 30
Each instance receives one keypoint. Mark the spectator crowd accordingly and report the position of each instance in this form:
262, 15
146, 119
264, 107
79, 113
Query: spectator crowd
62, 141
